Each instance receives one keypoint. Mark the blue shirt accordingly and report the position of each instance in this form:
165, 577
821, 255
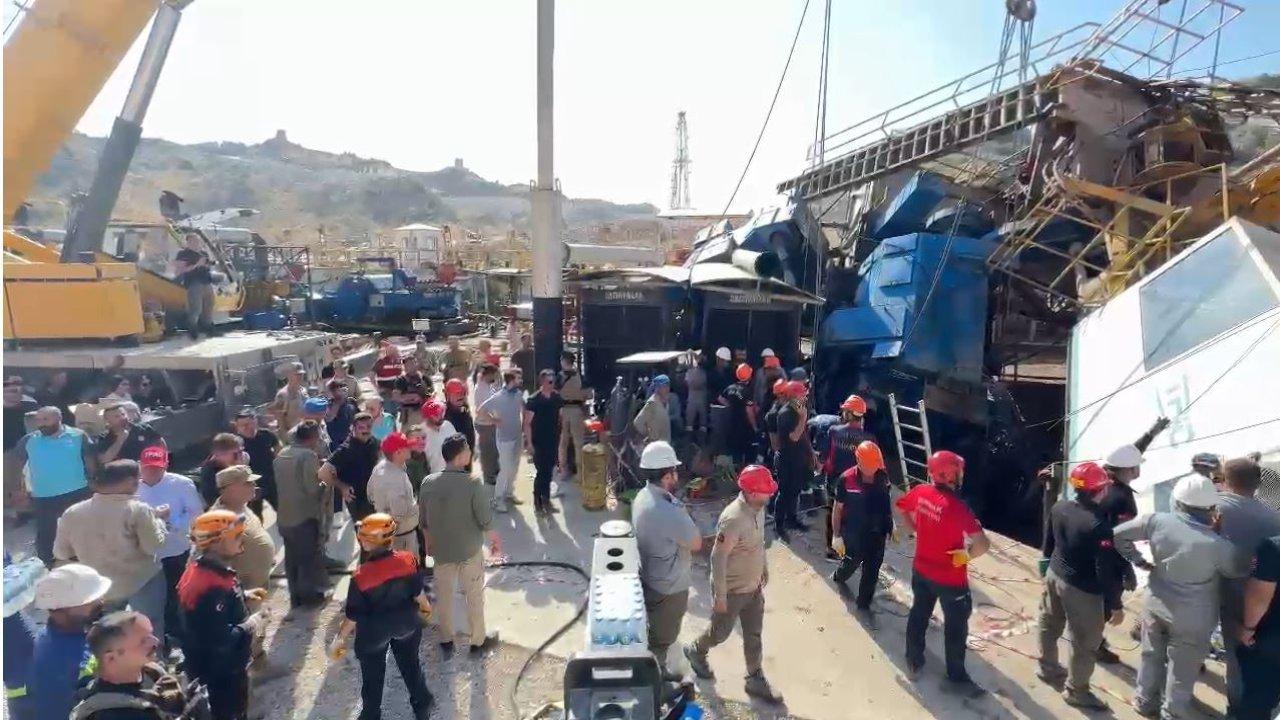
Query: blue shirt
56, 462
185, 503
59, 664
384, 426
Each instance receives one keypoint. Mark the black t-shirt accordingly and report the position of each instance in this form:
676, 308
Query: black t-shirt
1117, 504
866, 509
545, 426
791, 453
340, 426
15, 422
1082, 553
124, 713
1267, 569
195, 276
415, 383
262, 454
354, 461
460, 418
141, 437
209, 481
738, 399
381, 599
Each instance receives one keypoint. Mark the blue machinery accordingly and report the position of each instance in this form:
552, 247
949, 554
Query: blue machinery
389, 300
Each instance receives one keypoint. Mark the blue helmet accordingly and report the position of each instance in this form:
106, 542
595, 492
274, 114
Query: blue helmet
315, 405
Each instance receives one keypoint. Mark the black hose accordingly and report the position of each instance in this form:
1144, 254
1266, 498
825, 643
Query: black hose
582, 610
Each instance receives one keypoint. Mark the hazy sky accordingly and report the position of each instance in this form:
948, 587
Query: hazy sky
420, 82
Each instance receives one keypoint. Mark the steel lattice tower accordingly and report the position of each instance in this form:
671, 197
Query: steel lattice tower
680, 167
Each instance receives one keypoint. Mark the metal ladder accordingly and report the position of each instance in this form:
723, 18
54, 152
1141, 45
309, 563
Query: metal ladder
920, 450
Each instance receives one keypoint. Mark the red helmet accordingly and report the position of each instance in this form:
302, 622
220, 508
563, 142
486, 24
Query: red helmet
869, 456
743, 373
433, 410
945, 468
854, 404
455, 388
593, 424
1089, 477
780, 388
796, 389
757, 479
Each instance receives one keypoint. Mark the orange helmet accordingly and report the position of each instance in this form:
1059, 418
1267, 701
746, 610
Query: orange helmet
945, 468
455, 388
855, 405
433, 410
743, 373
593, 424
772, 362
1089, 477
869, 456
780, 388
757, 479
376, 528
214, 525
797, 389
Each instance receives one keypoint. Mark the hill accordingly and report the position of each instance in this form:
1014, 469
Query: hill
303, 190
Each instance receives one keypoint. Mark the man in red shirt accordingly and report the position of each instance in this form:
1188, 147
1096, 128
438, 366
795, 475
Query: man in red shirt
948, 536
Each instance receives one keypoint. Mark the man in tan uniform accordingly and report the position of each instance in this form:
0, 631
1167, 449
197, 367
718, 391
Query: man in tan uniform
739, 573
457, 362
574, 412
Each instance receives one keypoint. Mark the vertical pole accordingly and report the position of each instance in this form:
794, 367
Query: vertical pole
548, 308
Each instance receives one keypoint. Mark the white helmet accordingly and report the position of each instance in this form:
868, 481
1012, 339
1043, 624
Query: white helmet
1196, 491
767, 352
659, 455
724, 354
70, 585
1125, 456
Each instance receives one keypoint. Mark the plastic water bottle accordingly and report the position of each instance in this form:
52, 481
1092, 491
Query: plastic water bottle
692, 711
20, 583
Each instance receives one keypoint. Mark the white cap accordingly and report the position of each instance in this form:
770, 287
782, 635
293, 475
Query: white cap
767, 352
70, 586
1196, 491
724, 354
659, 455
1125, 456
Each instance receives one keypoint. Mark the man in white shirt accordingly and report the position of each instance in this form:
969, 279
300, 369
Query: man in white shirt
390, 491
487, 385
435, 430
506, 410
160, 488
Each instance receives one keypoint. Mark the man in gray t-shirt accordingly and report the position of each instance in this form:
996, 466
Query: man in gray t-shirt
667, 538
505, 409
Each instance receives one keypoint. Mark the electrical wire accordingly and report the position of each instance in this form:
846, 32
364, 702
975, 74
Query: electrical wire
1269, 53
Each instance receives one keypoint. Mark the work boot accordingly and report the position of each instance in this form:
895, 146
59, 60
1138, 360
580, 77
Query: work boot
446, 649
1084, 700
423, 711
841, 586
1144, 711
913, 670
1053, 675
966, 686
758, 687
1107, 656
698, 663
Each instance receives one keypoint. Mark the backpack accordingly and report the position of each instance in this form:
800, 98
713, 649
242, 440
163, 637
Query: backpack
169, 696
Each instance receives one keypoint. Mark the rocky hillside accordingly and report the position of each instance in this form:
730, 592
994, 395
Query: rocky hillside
304, 190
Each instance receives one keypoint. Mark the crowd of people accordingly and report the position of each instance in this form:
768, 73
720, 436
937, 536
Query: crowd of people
146, 560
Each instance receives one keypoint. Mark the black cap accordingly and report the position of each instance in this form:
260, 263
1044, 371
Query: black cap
246, 412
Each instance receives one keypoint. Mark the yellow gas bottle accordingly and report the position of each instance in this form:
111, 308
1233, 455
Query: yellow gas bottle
592, 476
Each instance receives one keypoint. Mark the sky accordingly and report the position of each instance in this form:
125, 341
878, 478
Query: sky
421, 82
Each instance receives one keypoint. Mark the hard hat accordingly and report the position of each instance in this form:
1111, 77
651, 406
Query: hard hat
1196, 491
378, 527
724, 354
455, 388
855, 405
869, 456
743, 373
593, 424
780, 388
768, 353
212, 526
1208, 461
757, 479
397, 441
796, 389
433, 410
315, 405
661, 381
945, 467
799, 374
659, 455
69, 586
154, 456
1089, 477
772, 362
1125, 456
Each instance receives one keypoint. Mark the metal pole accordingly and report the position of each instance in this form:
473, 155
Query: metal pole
548, 309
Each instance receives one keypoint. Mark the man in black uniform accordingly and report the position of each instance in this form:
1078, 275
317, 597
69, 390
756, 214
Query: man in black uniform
349, 467
1082, 586
862, 519
742, 418
542, 438
841, 448
795, 459
261, 445
194, 273
385, 597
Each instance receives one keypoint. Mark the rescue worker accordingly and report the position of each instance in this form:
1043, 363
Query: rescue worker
653, 422
948, 536
842, 444
457, 412
1189, 561
862, 520
769, 373
1082, 586
770, 423
572, 415
392, 494
129, 684
385, 599
795, 459
667, 539
719, 374
219, 630
743, 427
739, 572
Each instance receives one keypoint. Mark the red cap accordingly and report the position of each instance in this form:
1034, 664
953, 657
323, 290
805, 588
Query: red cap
743, 373
1089, 477
780, 388
395, 442
945, 467
757, 479
455, 388
154, 456
796, 388
594, 425
433, 410
772, 362
855, 405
